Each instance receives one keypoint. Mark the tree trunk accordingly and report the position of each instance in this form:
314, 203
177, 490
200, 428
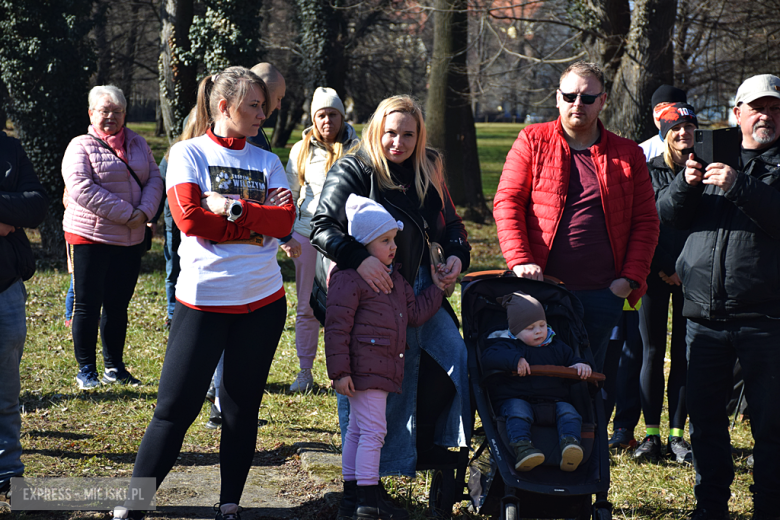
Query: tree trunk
102, 47
645, 63
292, 106
178, 86
289, 116
127, 65
449, 119
159, 124
614, 22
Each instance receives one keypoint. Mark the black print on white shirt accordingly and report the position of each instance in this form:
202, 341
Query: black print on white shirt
237, 183
245, 184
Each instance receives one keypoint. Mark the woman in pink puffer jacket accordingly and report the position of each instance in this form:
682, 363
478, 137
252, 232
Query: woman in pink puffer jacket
104, 226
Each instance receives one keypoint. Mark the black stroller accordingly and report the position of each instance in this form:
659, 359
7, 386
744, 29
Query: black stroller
495, 488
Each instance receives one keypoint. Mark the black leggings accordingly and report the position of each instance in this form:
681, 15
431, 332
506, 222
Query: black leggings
653, 317
103, 276
197, 340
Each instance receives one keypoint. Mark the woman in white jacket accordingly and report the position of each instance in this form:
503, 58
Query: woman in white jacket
328, 139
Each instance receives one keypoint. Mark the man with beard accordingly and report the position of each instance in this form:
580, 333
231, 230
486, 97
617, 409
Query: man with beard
730, 274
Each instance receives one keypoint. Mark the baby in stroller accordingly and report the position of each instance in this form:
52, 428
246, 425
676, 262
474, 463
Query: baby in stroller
530, 341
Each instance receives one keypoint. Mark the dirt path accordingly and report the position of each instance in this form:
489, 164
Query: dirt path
304, 487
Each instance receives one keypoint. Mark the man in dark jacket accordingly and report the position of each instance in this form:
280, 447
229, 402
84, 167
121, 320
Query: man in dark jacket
730, 272
23, 203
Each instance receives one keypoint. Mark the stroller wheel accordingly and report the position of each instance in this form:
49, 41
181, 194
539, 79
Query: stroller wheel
442, 494
510, 511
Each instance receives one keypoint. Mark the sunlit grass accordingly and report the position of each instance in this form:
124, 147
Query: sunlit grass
74, 433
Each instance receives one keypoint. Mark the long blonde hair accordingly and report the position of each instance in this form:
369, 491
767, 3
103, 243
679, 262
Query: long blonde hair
232, 84
428, 168
335, 150
668, 157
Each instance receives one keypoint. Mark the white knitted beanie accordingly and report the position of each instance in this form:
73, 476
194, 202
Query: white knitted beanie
326, 97
367, 219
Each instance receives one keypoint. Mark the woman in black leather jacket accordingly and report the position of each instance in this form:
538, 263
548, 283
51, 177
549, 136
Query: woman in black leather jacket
393, 167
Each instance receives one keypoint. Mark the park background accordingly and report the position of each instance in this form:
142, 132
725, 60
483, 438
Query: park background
67, 432
480, 68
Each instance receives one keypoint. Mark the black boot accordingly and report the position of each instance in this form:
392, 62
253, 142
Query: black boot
372, 505
348, 500
215, 418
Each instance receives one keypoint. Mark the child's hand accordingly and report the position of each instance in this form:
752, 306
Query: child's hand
435, 277
583, 370
523, 368
344, 386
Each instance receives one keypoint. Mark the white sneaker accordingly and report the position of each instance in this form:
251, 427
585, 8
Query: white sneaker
304, 381
228, 512
121, 513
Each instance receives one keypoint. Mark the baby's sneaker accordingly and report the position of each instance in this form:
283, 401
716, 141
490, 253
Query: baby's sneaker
526, 456
571, 453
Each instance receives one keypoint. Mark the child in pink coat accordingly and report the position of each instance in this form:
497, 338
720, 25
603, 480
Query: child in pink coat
365, 340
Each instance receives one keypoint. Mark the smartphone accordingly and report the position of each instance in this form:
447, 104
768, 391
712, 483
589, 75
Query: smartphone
722, 146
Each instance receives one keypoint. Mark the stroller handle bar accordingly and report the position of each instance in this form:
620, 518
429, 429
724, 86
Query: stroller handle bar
564, 372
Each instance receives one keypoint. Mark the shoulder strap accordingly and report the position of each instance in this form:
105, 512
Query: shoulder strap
105, 145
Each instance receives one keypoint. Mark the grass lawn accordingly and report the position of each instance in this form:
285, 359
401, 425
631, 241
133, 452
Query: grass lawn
66, 432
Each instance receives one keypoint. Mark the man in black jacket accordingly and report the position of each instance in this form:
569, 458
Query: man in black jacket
730, 272
23, 203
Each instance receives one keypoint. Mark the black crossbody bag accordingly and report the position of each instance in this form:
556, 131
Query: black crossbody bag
148, 232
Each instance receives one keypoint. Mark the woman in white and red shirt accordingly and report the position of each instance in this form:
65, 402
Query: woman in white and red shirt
229, 293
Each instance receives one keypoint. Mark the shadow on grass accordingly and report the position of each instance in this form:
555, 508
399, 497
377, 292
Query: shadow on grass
31, 402
313, 430
263, 458
321, 509
284, 389
649, 512
58, 435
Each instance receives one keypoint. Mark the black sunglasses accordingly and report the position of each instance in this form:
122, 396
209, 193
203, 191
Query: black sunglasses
587, 99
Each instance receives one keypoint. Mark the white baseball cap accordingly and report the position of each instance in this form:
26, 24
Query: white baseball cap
758, 86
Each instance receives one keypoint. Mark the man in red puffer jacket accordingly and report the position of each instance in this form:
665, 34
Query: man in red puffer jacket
576, 202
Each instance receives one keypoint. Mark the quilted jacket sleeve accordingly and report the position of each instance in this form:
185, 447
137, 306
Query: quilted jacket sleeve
501, 354
342, 303
79, 181
422, 307
644, 227
511, 203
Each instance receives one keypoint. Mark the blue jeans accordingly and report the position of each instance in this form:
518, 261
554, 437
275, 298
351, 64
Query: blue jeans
602, 312
171, 268
713, 347
13, 331
519, 416
622, 367
69, 299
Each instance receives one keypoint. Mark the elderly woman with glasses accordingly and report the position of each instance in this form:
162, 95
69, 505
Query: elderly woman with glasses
114, 188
